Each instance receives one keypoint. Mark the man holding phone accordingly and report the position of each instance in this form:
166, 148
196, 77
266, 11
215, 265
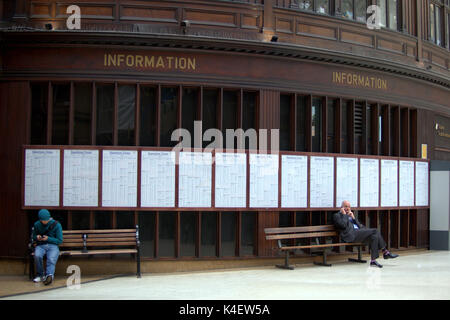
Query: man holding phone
351, 230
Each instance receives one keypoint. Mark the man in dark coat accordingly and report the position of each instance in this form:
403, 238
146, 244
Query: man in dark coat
351, 230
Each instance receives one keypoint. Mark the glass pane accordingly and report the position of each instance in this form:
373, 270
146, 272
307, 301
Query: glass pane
82, 114
316, 130
301, 121
248, 231
125, 220
168, 122
103, 220
60, 114
322, 6
166, 234
344, 128
188, 231
361, 10
393, 14
81, 220
305, 4
285, 219
105, 114
228, 230
209, 111
61, 217
330, 125
383, 9
249, 116
347, 9
147, 131
209, 234
285, 122
147, 233
126, 115
229, 112
189, 111
438, 26
39, 107
432, 23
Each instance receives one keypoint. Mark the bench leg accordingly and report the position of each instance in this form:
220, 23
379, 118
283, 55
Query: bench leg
324, 260
286, 263
138, 264
359, 257
31, 267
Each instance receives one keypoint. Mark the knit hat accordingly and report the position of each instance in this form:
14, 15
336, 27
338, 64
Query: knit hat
44, 215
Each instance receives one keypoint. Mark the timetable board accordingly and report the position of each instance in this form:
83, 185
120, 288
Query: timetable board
389, 183
42, 177
119, 178
346, 181
406, 184
321, 182
194, 185
230, 180
157, 179
422, 183
369, 182
294, 181
80, 178
263, 181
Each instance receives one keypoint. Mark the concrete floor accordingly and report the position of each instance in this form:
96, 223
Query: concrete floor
425, 275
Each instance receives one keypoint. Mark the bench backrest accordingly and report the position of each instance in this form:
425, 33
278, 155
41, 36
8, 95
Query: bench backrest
300, 232
100, 238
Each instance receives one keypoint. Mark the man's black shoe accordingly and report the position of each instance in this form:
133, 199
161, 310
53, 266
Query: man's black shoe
390, 255
375, 264
48, 279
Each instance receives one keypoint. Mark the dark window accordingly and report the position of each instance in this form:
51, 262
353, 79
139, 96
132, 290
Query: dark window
331, 119
285, 219
147, 233
188, 230
102, 220
125, 220
301, 123
105, 114
166, 233
248, 231
228, 230
209, 111
209, 234
189, 111
39, 112
81, 220
147, 131
60, 114
436, 24
82, 114
316, 130
168, 122
248, 114
230, 110
285, 122
126, 115
344, 128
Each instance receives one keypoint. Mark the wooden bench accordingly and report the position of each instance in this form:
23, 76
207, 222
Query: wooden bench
311, 232
86, 243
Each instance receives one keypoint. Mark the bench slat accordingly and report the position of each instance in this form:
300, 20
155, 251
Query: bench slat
302, 235
299, 229
324, 245
98, 231
96, 252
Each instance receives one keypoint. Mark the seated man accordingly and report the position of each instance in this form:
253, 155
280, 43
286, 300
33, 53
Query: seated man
351, 230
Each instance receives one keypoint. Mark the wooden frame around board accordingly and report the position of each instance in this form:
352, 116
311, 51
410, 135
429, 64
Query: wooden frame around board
213, 182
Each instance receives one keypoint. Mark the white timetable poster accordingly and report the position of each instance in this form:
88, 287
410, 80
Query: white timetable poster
119, 178
347, 181
422, 183
231, 180
80, 183
369, 182
389, 183
157, 179
294, 181
406, 184
321, 183
194, 189
263, 181
41, 177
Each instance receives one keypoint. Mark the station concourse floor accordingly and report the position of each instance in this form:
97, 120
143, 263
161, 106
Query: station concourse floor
421, 275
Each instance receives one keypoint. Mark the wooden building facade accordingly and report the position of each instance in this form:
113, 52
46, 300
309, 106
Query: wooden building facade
137, 70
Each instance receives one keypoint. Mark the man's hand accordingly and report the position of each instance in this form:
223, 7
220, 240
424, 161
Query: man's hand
343, 211
44, 238
351, 215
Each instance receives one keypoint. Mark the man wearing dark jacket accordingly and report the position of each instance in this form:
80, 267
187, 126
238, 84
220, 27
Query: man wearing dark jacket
351, 230
47, 233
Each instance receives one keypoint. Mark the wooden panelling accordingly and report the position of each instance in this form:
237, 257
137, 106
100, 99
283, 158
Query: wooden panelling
357, 38
249, 21
390, 45
216, 18
144, 13
40, 10
316, 31
89, 11
284, 25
